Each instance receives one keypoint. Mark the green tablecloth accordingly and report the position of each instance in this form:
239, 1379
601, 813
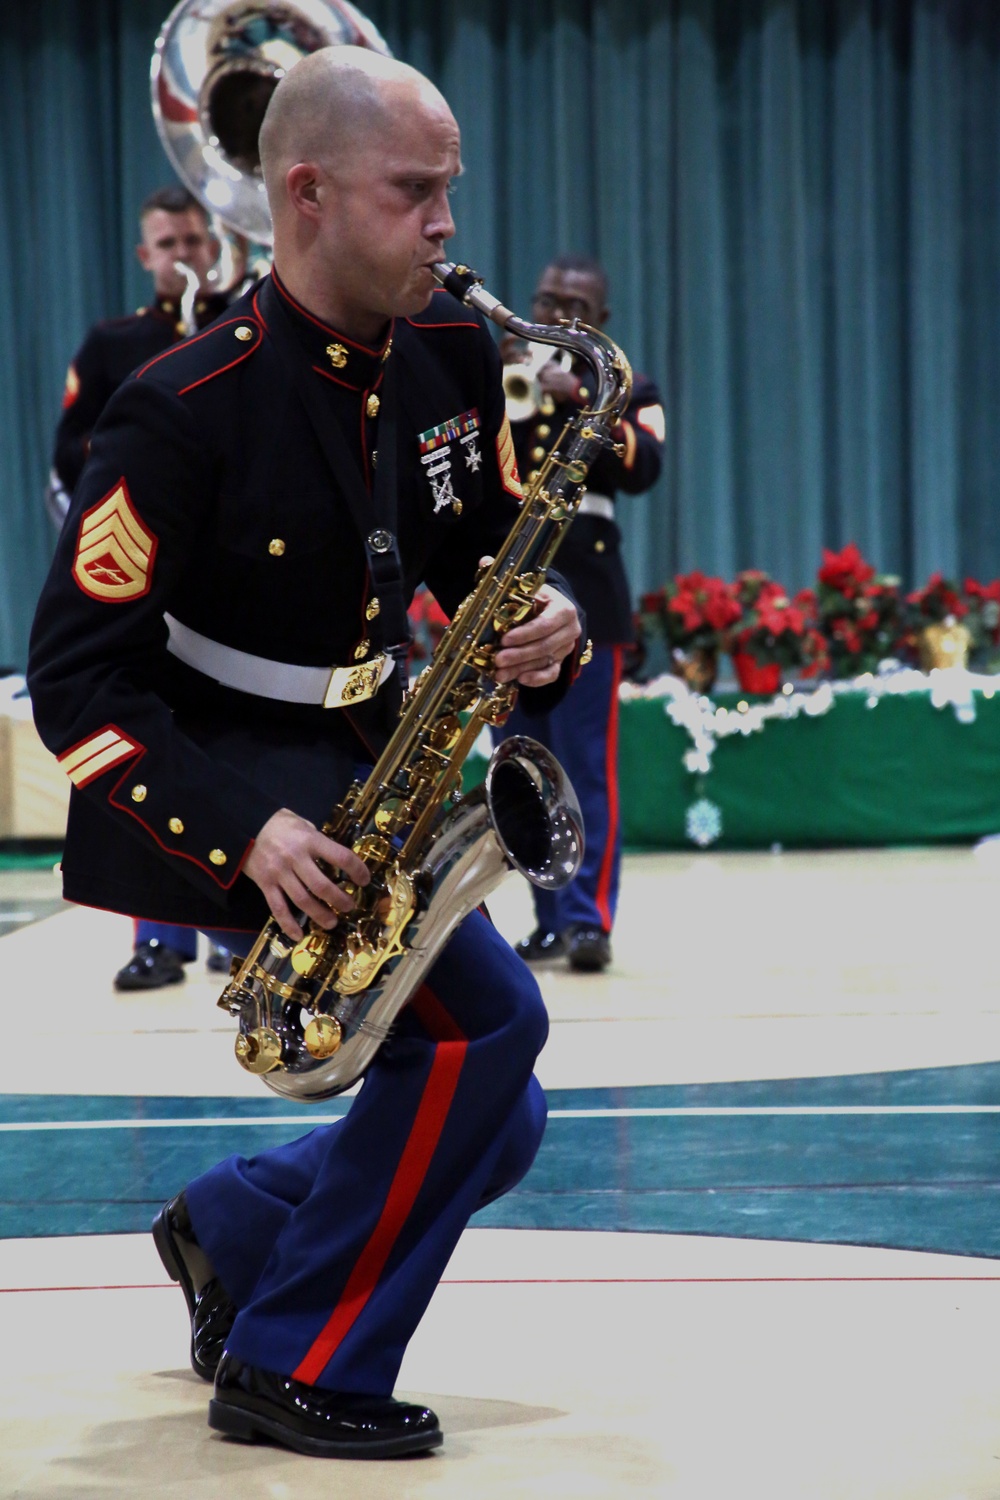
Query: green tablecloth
902, 772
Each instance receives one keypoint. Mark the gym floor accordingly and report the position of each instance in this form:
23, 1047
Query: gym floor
758, 1254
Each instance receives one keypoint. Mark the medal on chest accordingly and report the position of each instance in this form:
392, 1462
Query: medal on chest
440, 447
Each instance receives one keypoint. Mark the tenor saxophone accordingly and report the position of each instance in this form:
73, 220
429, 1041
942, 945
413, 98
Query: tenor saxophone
313, 1013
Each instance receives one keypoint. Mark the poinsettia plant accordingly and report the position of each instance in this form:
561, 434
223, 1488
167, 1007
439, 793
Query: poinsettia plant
776, 630
859, 612
939, 599
938, 602
983, 617
692, 612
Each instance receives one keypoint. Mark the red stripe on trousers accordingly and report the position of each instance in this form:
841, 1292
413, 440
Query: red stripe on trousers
418, 1153
611, 776
439, 1024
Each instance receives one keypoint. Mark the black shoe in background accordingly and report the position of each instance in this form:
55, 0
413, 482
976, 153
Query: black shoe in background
210, 1308
219, 959
251, 1404
151, 966
540, 946
589, 949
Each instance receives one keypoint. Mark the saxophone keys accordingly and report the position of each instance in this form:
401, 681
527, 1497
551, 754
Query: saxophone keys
446, 733
259, 1051
322, 1036
307, 953
389, 817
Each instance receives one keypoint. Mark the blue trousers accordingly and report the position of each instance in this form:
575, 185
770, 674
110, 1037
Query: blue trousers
331, 1247
582, 733
183, 940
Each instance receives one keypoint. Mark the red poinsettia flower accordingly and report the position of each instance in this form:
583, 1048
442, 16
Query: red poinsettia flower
721, 610
938, 597
845, 570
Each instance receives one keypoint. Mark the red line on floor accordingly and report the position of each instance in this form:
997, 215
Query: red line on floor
162, 1286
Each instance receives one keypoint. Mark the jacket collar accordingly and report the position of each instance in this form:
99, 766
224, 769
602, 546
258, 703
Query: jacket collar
357, 366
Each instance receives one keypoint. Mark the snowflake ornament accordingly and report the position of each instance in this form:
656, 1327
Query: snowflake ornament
703, 822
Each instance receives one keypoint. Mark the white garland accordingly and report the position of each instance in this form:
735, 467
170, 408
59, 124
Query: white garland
707, 722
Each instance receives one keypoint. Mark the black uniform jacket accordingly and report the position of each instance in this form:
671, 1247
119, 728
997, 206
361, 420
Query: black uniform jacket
590, 553
207, 495
109, 353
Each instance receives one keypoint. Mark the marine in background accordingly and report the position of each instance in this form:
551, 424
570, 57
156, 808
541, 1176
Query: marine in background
582, 730
175, 231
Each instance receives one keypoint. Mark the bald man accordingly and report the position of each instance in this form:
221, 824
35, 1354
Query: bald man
194, 667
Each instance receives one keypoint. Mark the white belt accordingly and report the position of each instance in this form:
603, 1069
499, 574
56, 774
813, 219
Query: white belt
596, 505
333, 687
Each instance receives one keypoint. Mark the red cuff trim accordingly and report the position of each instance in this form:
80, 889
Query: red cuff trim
216, 871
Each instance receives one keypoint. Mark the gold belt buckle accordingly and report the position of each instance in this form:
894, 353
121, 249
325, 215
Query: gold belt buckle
354, 684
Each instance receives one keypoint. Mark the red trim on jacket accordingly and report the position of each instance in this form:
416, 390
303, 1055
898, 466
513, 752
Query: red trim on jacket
209, 869
211, 332
376, 351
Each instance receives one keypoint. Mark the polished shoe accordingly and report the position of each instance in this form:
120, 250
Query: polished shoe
219, 960
540, 946
252, 1404
211, 1309
151, 966
589, 949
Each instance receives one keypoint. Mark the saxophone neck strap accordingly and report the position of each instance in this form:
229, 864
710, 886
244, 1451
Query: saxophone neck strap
374, 514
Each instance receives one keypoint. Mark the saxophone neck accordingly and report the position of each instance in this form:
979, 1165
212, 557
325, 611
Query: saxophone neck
612, 371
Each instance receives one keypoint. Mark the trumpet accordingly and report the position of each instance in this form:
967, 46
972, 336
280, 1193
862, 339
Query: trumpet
521, 387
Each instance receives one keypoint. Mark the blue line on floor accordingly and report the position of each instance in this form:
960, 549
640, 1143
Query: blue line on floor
910, 1160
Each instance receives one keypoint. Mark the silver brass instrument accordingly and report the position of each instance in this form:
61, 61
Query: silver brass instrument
312, 1014
522, 390
215, 66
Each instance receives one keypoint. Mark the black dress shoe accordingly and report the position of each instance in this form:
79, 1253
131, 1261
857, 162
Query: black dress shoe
211, 1309
540, 946
151, 966
219, 959
251, 1404
589, 949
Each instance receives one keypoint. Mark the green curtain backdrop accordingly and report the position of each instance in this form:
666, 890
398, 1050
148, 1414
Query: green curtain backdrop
798, 202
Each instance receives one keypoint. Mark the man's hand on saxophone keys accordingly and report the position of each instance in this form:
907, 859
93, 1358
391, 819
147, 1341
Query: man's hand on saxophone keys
533, 652
285, 863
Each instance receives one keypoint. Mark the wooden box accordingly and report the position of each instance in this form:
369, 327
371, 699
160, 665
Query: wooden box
34, 790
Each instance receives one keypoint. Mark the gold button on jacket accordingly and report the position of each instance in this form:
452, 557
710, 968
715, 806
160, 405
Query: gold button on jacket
217, 857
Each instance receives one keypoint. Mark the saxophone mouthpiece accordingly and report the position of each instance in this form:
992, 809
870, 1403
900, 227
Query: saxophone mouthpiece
458, 280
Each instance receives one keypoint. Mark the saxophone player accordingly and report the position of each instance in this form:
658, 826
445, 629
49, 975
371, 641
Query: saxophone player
581, 731
195, 667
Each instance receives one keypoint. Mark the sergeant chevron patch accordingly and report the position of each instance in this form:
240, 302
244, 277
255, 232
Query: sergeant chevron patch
114, 551
505, 458
84, 761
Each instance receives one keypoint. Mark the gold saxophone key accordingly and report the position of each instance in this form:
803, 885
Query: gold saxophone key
259, 1051
307, 953
322, 1036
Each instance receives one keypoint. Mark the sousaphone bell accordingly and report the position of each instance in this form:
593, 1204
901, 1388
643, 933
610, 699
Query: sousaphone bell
215, 67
